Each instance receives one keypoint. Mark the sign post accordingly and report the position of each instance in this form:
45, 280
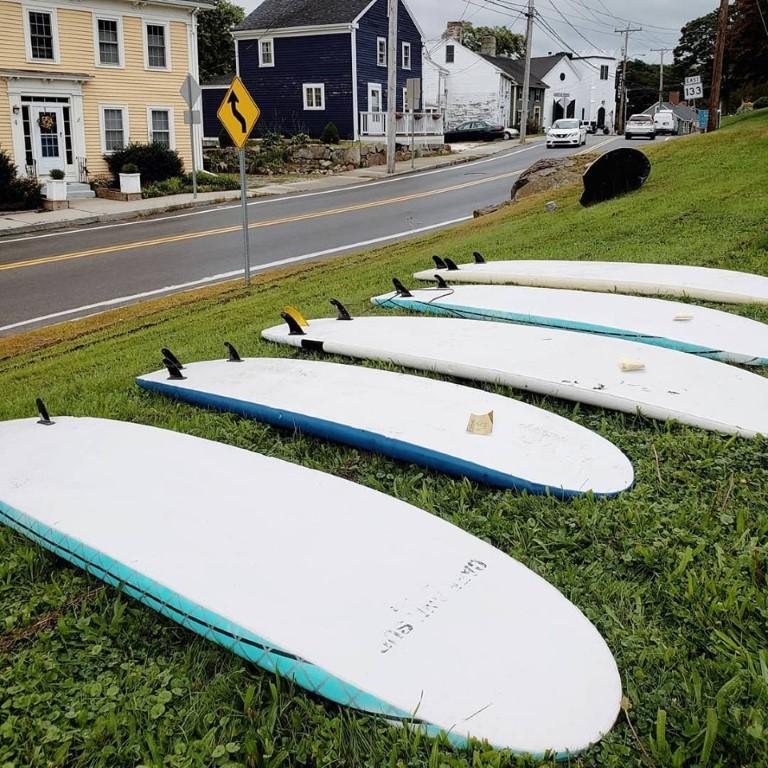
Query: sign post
190, 92
238, 114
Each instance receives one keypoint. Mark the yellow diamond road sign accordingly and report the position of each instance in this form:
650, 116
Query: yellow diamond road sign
238, 112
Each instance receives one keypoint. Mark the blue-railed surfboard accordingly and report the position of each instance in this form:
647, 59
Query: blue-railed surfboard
672, 324
597, 370
721, 285
409, 418
359, 597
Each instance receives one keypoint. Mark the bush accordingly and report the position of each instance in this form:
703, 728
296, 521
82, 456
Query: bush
298, 140
180, 184
155, 162
761, 103
57, 174
272, 141
17, 194
330, 134
130, 168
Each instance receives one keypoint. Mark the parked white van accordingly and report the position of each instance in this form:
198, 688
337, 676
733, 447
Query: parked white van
665, 121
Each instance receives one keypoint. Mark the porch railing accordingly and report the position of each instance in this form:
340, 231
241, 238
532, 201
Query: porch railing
416, 123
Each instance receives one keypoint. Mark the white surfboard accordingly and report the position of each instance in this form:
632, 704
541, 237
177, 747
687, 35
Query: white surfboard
672, 324
409, 418
357, 596
625, 277
611, 373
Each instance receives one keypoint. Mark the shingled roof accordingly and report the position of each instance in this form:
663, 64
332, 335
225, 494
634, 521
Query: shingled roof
540, 65
273, 14
515, 69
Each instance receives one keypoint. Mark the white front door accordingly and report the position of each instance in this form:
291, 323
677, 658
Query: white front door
48, 141
374, 97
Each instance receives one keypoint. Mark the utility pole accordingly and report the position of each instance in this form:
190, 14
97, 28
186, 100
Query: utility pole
661, 51
717, 68
392, 86
527, 73
623, 108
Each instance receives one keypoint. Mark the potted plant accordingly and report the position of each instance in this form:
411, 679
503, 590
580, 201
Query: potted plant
56, 187
130, 179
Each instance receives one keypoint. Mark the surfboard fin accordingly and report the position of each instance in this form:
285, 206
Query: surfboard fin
440, 282
400, 288
168, 355
45, 419
174, 372
439, 263
451, 265
479, 258
293, 324
343, 314
234, 357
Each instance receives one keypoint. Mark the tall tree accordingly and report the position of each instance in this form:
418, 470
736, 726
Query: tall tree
508, 43
747, 48
216, 48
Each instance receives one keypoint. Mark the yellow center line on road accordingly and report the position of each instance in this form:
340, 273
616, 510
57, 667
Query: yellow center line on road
256, 225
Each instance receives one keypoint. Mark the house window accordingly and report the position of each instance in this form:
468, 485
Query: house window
41, 36
450, 54
381, 51
314, 96
160, 128
603, 71
108, 42
157, 46
113, 128
406, 56
266, 53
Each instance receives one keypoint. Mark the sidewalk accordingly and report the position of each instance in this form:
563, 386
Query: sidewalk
98, 210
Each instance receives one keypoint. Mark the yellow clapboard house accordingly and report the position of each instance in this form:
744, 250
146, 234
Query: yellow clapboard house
82, 78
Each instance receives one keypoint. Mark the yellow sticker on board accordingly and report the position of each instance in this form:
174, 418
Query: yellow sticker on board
297, 316
481, 424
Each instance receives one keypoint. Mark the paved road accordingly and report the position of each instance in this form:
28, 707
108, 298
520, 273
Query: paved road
60, 276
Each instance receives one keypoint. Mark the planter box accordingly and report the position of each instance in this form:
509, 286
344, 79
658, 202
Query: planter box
55, 205
115, 194
56, 190
130, 183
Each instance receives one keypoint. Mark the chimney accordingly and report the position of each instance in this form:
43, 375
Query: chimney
488, 45
455, 31
674, 97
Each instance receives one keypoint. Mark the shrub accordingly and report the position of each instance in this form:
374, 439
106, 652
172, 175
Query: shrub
56, 174
155, 162
130, 168
272, 141
761, 103
299, 140
180, 184
330, 134
17, 194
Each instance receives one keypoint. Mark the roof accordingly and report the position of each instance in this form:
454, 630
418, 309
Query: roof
273, 14
682, 111
222, 81
541, 65
515, 69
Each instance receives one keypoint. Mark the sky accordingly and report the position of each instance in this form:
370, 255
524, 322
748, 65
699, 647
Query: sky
591, 21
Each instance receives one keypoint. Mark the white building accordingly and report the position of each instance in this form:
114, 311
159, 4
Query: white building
583, 87
466, 85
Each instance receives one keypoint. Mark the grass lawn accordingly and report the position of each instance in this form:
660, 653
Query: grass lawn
673, 573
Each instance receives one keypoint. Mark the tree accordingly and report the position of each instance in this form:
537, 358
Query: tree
508, 43
747, 51
215, 46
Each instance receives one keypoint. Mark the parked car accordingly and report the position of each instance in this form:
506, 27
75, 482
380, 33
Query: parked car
566, 133
640, 126
664, 121
479, 130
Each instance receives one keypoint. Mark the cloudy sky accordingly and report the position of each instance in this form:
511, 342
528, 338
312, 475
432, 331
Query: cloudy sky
589, 25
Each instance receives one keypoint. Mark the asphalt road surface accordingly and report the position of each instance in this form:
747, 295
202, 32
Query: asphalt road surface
55, 277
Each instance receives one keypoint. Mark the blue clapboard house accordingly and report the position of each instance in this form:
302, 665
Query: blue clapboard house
308, 63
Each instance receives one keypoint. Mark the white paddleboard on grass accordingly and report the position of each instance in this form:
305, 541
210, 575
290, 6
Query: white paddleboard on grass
672, 324
597, 370
358, 597
409, 418
624, 277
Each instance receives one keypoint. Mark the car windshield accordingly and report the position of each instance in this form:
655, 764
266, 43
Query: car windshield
560, 124
640, 119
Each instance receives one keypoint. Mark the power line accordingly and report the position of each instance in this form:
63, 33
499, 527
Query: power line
583, 37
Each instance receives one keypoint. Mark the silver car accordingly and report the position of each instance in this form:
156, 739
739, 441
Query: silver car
641, 126
566, 133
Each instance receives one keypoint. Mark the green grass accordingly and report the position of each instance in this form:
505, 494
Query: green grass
673, 573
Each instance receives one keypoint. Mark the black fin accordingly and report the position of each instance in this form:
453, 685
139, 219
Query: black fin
400, 288
341, 309
168, 355
479, 258
293, 326
451, 265
45, 419
174, 372
234, 357
440, 282
439, 263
